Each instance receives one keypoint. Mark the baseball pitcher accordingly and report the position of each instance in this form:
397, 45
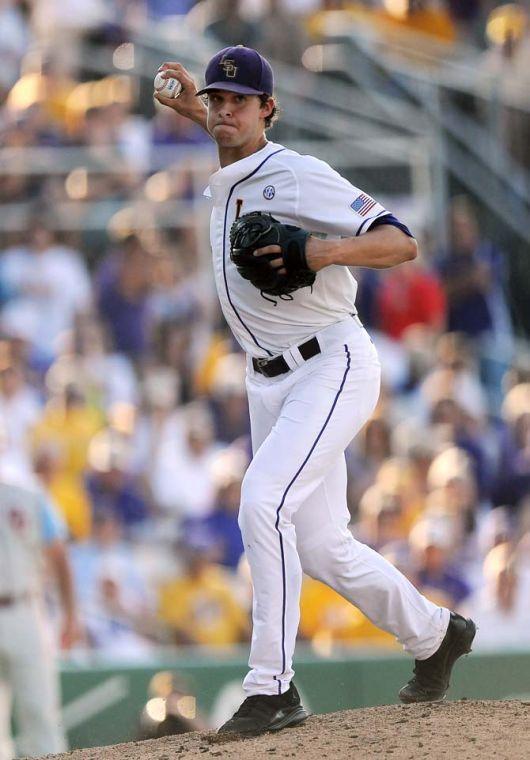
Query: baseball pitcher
284, 230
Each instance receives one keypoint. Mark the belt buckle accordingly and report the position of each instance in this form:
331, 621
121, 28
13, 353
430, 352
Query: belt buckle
262, 362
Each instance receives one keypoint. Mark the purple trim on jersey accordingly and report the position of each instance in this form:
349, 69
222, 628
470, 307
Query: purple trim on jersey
346, 349
393, 221
224, 246
385, 217
371, 219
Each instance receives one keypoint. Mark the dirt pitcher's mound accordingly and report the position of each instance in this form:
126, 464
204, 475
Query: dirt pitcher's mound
463, 730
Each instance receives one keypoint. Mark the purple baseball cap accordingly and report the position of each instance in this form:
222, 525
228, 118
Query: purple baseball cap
239, 69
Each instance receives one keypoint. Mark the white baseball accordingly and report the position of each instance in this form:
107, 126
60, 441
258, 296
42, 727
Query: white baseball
169, 88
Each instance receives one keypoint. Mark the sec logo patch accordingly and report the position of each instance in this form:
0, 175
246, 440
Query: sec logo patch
269, 192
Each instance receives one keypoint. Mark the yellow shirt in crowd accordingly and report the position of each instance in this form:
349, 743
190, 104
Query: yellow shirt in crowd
326, 615
204, 608
70, 433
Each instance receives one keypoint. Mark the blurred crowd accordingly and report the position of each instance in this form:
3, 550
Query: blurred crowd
126, 399
66, 83
280, 28
122, 392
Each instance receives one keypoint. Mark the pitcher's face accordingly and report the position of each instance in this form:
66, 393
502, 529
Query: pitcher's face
234, 119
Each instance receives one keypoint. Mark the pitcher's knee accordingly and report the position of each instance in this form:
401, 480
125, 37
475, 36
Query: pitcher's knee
313, 560
335, 554
261, 498
253, 485
253, 500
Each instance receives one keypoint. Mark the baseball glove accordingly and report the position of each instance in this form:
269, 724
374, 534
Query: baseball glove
257, 230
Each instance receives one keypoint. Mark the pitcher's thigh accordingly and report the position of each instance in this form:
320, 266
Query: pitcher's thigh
325, 507
317, 421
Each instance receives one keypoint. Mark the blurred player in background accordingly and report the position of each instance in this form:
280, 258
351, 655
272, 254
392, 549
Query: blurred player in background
31, 534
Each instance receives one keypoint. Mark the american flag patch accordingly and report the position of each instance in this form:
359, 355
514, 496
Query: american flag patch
363, 204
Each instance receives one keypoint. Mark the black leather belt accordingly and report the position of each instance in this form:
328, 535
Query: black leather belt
278, 365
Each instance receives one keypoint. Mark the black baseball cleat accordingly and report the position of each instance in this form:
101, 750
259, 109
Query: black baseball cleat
261, 713
431, 676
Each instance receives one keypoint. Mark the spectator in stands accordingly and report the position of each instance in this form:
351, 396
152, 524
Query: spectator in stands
160, 394
15, 186
419, 342
452, 477
409, 296
169, 128
174, 346
452, 426
369, 281
130, 132
229, 399
474, 275
436, 576
20, 409
199, 606
61, 438
501, 606
399, 476
101, 129
39, 100
176, 295
110, 484
381, 520
181, 477
228, 469
364, 457
455, 377
326, 618
86, 358
418, 447
496, 526
512, 481
124, 285
48, 285
115, 603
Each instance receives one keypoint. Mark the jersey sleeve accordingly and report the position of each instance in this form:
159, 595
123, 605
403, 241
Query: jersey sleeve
52, 526
327, 203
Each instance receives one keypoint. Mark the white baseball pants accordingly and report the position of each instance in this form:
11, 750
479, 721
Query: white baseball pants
293, 513
29, 678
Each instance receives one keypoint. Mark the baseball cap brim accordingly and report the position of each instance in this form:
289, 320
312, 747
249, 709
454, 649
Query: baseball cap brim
240, 88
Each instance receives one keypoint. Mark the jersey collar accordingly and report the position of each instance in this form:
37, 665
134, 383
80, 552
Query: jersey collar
236, 171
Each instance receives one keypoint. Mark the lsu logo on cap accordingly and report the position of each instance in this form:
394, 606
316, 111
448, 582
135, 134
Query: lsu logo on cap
229, 68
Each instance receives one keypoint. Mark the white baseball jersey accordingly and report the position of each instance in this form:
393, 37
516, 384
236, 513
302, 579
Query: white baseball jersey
299, 190
27, 523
